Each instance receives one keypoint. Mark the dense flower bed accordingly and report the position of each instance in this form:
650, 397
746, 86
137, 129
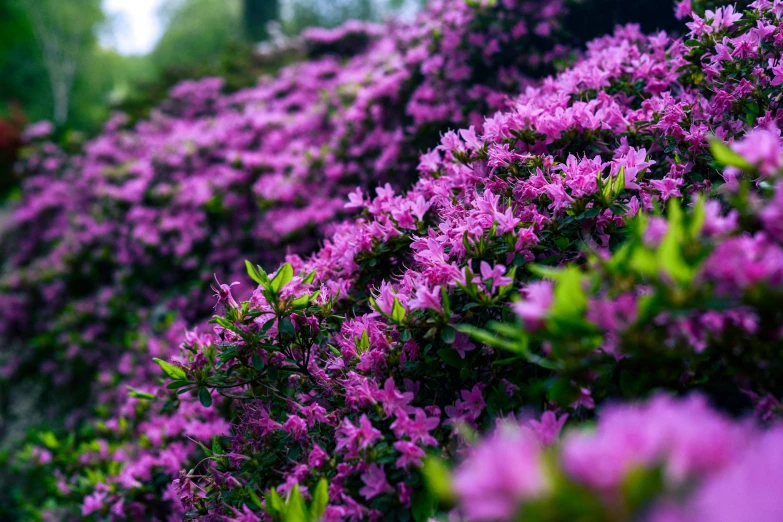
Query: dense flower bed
132, 228
610, 232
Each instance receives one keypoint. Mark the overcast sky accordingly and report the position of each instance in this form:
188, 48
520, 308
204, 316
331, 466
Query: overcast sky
136, 28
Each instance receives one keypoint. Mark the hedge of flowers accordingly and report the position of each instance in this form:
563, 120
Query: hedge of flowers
108, 242
571, 313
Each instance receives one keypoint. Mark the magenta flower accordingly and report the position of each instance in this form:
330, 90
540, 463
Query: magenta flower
683, 9
427, 299
223, 294
762, 148
375, 482
496, 274
500, 474
417, 428
356, 438
535, 307
93, 502
392, 399
547, 430
462, 344
296, 427
410, 453
749, 490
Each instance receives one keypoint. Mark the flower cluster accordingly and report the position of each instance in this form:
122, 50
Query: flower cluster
664, 460
607, 232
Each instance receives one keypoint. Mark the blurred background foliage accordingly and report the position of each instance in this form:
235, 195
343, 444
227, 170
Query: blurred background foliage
55, 64
54, 67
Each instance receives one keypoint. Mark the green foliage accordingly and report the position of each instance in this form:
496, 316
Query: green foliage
294, 508
197, 31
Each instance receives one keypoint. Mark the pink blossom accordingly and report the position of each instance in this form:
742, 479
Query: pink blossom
499, 475
375, 483
410, 453
535, 306
547, 430
427, 299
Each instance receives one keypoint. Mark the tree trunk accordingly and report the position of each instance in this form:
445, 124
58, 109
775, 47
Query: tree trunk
61, 94
257, 14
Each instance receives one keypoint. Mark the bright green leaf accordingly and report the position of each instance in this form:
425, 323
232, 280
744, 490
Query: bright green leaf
174, 372
283, 277
725, 155
138, 394
295, 508
256, 273
438, 479
398, 311
320, 500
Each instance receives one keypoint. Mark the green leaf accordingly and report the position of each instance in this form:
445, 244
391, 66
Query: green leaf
725, 155
217, 449
438, 478
320, 500
448, 335
48, 439
301, 302
256, 273
205, 397
258, 361
570, 299
482, 336
619, 183
641, 486
606, 189
285, 326
267, 325
398, 311
295, 508
133, 392
698, 218
363, 343
451, 357
175, 372
423, 505
445, 300
255, 499
669, 253
206, 450
177, 384
283, 277
309, 278
274, 504
562, 392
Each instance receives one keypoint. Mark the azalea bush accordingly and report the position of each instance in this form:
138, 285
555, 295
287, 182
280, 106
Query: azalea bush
497, 334
113, 239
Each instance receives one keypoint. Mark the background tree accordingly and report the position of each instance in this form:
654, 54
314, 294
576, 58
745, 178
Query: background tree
257, 14
65, 33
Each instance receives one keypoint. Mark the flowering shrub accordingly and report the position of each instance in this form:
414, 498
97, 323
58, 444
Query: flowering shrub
110, 240
611, 231
665, 460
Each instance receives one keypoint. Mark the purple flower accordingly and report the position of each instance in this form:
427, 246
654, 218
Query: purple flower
357, 438
762, 148
500, 474
495, 275
535, 307
427, 299
410, 453
548, 429
392, 399
223, 294
375, 483
749, 490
